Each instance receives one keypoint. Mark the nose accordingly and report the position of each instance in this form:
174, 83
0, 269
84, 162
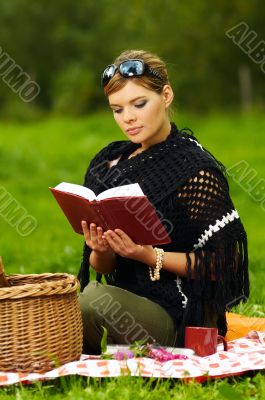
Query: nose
128, 115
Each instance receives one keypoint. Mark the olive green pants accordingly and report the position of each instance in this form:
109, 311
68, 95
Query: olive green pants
126, 316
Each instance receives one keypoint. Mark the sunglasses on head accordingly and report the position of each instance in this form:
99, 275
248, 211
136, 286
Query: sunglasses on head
127, 69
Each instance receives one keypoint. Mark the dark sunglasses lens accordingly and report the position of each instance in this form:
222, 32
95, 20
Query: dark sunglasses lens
108, 73
131, 68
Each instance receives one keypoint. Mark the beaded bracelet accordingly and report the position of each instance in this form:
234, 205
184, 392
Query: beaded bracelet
154, 273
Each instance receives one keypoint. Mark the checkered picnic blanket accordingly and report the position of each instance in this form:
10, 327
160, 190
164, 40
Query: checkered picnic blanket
244, 354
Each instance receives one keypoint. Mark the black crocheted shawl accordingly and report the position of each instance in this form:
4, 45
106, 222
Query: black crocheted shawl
189, 190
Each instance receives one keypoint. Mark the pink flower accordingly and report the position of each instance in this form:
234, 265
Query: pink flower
162, 355
123, 355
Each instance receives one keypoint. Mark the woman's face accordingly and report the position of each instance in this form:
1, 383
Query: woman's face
142, 113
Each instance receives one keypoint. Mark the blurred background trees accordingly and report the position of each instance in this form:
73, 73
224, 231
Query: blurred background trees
64, 46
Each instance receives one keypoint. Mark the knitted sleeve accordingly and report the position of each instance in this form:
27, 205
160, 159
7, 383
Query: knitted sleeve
217, 228
220, 273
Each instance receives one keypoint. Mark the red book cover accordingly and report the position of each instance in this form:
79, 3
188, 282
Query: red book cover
134, 214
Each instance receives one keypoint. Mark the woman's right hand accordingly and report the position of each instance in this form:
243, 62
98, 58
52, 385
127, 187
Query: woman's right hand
93, 237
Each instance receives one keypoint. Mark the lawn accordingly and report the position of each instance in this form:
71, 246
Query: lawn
36, 155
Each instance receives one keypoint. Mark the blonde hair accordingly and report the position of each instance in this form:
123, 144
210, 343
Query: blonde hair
151, 82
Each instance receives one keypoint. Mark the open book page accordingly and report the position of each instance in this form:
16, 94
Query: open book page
76, 189
133, 189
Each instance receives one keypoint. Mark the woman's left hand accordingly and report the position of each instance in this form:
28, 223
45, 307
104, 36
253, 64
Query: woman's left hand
123, 245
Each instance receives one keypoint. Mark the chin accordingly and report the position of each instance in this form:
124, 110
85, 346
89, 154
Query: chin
135, 139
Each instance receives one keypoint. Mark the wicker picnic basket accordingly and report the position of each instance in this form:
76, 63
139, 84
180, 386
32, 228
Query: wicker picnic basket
40, 322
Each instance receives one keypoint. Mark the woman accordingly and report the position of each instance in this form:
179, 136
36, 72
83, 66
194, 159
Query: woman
152, 293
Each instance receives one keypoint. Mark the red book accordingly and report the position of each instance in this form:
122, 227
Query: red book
124, 207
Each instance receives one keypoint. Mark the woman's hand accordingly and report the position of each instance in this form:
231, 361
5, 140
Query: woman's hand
94, 238
123, 245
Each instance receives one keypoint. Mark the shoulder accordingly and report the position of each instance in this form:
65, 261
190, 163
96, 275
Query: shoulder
198, 157
190, 161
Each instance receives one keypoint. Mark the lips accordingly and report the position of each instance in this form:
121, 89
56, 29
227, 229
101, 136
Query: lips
134, 130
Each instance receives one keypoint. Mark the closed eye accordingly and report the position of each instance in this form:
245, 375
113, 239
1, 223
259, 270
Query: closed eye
141, 104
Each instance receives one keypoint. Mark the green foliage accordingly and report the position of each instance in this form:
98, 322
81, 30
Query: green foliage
65, 46
103, 343
74, 88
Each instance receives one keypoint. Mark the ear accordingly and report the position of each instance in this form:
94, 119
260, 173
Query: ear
168, 95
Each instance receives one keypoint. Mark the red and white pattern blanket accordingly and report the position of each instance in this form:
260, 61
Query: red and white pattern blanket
244, 354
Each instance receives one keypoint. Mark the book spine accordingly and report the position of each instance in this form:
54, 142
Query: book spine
98, 209
109, 216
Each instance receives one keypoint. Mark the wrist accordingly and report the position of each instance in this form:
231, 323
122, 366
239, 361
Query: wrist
146, 255
102, 262
154, 272
103, 254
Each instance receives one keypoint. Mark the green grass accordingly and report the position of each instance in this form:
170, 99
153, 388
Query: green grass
78, 388
34, 156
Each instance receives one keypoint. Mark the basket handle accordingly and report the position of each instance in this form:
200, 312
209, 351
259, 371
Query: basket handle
3, 281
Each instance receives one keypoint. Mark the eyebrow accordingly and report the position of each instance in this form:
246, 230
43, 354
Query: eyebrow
131, 101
